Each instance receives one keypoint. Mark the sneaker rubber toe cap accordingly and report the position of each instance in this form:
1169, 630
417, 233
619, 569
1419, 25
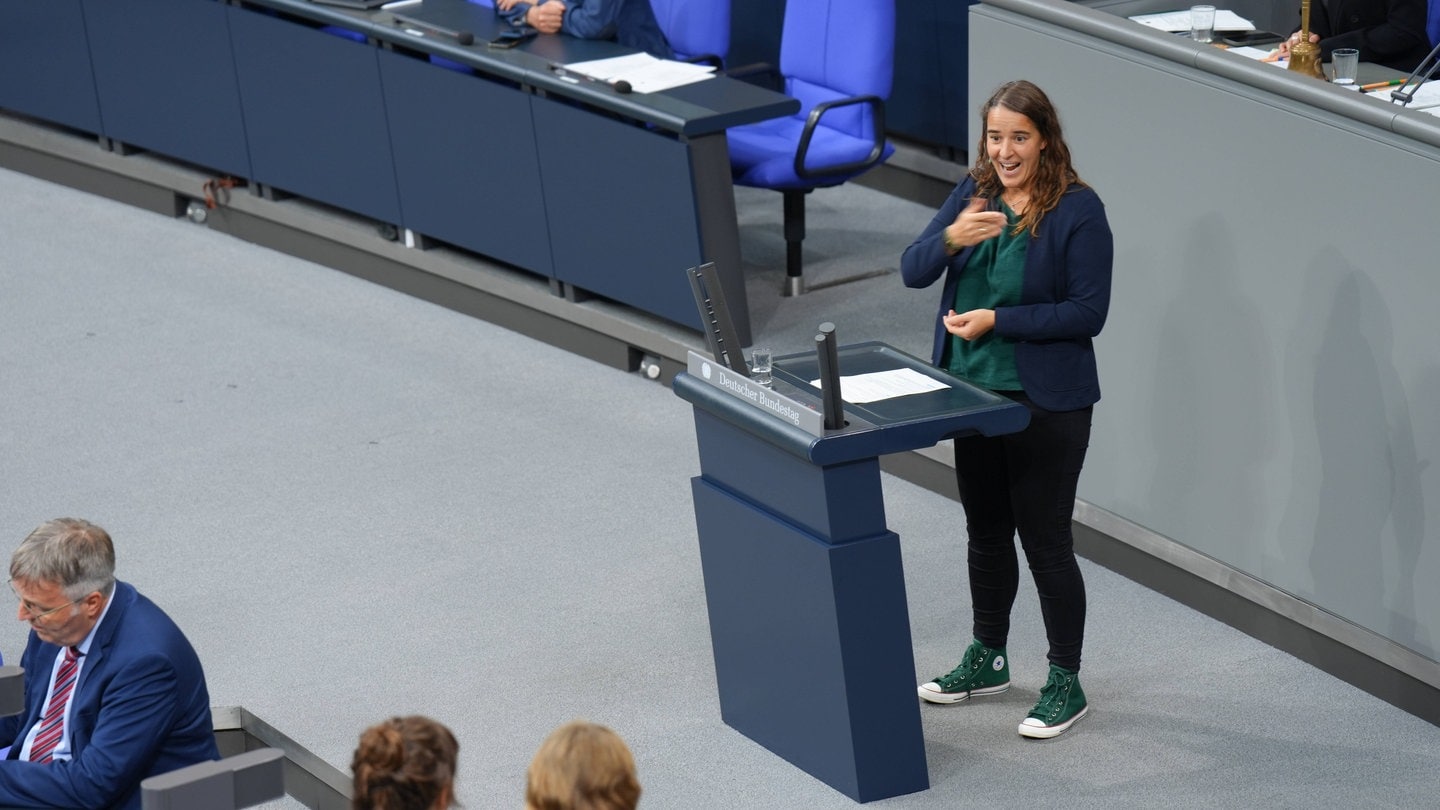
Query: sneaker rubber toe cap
930, 691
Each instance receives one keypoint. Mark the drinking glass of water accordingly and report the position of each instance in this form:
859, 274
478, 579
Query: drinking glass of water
1202, 23
760, 366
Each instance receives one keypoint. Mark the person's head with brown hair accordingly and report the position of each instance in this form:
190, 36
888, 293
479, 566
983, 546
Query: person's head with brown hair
1022, 151
582, 766
405, 763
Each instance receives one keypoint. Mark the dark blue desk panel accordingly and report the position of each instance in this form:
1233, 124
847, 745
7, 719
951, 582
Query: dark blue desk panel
630, 219
314, 114
622, 212
45, 64
685, 189
466, 161
166, 79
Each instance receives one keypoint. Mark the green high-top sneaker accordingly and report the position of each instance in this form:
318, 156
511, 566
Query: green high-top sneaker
982, 671
1062, 702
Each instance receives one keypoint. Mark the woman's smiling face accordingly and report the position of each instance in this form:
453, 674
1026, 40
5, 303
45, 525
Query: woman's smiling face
1014, 148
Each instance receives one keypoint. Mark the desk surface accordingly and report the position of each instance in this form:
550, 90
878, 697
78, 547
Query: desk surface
701, 108
1317, 96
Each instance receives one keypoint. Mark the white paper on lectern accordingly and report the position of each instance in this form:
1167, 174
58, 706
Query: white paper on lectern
878, 385
645, 73
1177, 21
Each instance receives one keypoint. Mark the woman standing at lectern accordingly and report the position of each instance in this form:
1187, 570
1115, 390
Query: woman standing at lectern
1025, 252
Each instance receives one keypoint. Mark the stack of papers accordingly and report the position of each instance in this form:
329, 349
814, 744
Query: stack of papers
1426, 98
1177, 21
645, 73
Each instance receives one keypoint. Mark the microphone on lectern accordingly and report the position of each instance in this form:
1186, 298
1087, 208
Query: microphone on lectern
832, 406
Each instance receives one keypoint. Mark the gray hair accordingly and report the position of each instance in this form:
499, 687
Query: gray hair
75, 554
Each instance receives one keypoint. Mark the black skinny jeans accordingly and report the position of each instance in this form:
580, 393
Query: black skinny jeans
1026, 482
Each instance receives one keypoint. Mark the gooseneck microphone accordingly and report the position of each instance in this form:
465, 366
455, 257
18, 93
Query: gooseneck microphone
465, 37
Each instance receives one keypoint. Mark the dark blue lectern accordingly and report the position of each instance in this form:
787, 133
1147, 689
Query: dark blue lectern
808, 618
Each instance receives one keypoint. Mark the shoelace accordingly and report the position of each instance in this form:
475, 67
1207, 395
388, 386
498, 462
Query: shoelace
1050, 694
968, 664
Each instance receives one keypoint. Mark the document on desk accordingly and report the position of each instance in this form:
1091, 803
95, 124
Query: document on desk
1270, 56
878, 385
645, 73
1177, 21
1426, 98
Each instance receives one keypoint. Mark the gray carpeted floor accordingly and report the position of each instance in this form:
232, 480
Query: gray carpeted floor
358, 504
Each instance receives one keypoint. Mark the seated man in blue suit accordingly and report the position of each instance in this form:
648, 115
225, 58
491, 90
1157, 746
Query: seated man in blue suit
113, 691
631, 23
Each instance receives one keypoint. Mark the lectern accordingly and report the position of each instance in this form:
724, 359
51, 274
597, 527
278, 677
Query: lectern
803, 581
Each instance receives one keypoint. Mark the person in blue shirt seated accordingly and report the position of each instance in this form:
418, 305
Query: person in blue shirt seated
113, 691
629, 22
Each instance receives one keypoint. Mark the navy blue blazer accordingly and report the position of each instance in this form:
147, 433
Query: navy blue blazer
140, 709
1064, 298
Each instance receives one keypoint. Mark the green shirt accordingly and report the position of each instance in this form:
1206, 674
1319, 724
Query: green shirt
992, 278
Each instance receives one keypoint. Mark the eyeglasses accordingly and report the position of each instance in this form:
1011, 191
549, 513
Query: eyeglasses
31, 611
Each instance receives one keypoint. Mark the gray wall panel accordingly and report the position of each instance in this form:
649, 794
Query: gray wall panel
1269, 366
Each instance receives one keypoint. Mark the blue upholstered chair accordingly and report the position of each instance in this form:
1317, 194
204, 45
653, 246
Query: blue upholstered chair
1432, 23
837, 58
698, 30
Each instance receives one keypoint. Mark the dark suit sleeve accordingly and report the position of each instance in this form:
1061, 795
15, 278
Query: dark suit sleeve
127, 716
1081, 254
1380, 31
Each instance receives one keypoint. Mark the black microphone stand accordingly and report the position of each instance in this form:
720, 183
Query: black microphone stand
1425, 71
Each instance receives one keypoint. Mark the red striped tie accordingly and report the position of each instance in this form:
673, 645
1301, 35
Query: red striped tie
52, 723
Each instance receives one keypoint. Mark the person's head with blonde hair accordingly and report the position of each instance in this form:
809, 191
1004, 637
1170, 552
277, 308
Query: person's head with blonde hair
405, 763
582, 766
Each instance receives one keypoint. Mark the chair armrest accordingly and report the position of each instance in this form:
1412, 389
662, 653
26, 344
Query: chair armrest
712, 59
877, 109
745, 72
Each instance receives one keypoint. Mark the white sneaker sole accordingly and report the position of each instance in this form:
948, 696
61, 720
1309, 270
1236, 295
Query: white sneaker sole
930, 692
1046, 732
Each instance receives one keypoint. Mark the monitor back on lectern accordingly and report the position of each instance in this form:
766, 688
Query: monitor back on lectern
720, 335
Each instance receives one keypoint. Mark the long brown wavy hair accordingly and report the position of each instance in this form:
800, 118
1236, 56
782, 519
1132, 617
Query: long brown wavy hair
1053, 173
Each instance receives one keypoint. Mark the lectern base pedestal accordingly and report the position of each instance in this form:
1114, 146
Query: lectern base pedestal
812, 646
